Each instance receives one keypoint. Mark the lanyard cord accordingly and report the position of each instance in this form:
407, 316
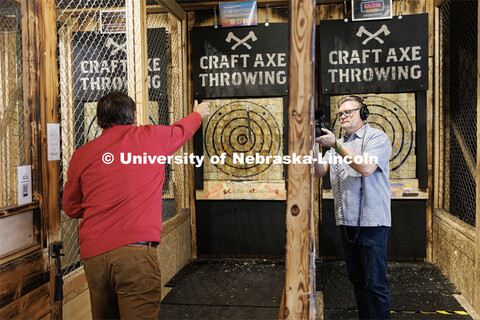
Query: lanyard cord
340, 198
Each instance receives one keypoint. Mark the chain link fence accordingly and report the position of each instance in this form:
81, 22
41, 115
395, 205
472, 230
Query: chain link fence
12, 142
93, 61
458, 45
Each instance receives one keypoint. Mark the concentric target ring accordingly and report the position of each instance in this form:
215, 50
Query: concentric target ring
390, 117
227, 131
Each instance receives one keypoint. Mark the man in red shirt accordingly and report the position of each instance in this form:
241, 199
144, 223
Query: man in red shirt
120, 204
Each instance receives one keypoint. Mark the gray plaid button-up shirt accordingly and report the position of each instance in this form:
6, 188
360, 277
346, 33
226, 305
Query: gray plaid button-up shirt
374, 206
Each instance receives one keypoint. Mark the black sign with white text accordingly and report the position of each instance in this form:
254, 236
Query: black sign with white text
241, 62
374, 56
100, 64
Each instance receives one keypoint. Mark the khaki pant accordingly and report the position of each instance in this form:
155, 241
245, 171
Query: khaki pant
124, 283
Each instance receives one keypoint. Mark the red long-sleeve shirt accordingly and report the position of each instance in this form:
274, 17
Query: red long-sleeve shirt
122, 203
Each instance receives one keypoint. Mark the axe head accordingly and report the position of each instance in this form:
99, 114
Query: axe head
385, 30
229, 37
252, 36
360, 31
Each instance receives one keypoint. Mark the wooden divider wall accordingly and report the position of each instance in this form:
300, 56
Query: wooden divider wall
455, 243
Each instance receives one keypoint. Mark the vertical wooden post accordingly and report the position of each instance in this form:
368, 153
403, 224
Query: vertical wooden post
477, 216
30, 80
430, 9
436, 127
299, 256
137, 65
191, 171
48, 81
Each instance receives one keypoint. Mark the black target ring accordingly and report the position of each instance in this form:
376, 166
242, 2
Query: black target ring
240, 136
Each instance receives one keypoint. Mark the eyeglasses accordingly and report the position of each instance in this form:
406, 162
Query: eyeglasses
346, 113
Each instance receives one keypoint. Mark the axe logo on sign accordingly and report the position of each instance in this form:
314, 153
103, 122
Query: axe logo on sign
247, 62
100, 63
116, 47
250, 36
374, 56
362, 31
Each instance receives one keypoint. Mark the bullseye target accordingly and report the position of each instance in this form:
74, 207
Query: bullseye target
240, 129
395, 115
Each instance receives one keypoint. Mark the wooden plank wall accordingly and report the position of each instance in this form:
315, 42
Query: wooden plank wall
25, 287
456, 244
34, 305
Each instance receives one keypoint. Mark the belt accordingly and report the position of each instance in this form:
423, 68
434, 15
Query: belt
149, 243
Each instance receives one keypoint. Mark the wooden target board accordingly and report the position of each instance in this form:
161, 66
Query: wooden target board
394, 114
238, 129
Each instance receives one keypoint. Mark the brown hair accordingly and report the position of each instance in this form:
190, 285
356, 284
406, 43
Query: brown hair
115, 108
357, 99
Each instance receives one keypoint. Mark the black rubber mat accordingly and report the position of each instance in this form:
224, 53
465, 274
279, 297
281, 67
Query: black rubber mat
418, 291
226, 289
195, 312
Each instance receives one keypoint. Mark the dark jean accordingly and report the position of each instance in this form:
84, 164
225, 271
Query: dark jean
366, 260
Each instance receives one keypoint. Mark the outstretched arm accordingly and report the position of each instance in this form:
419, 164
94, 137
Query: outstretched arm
175, 136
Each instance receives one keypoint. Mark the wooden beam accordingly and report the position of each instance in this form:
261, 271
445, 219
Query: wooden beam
175, 222
174, 8
94, 11
281, 313
209, 5
22, 276
30, 88
33, 305
50, 181
476, 304
430, 9
465, 152
438, 3
191, 172
446, 147
444, 96
21, 252
436, 126
299, 254
431, 67
16, 209
74, 284
136, 17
